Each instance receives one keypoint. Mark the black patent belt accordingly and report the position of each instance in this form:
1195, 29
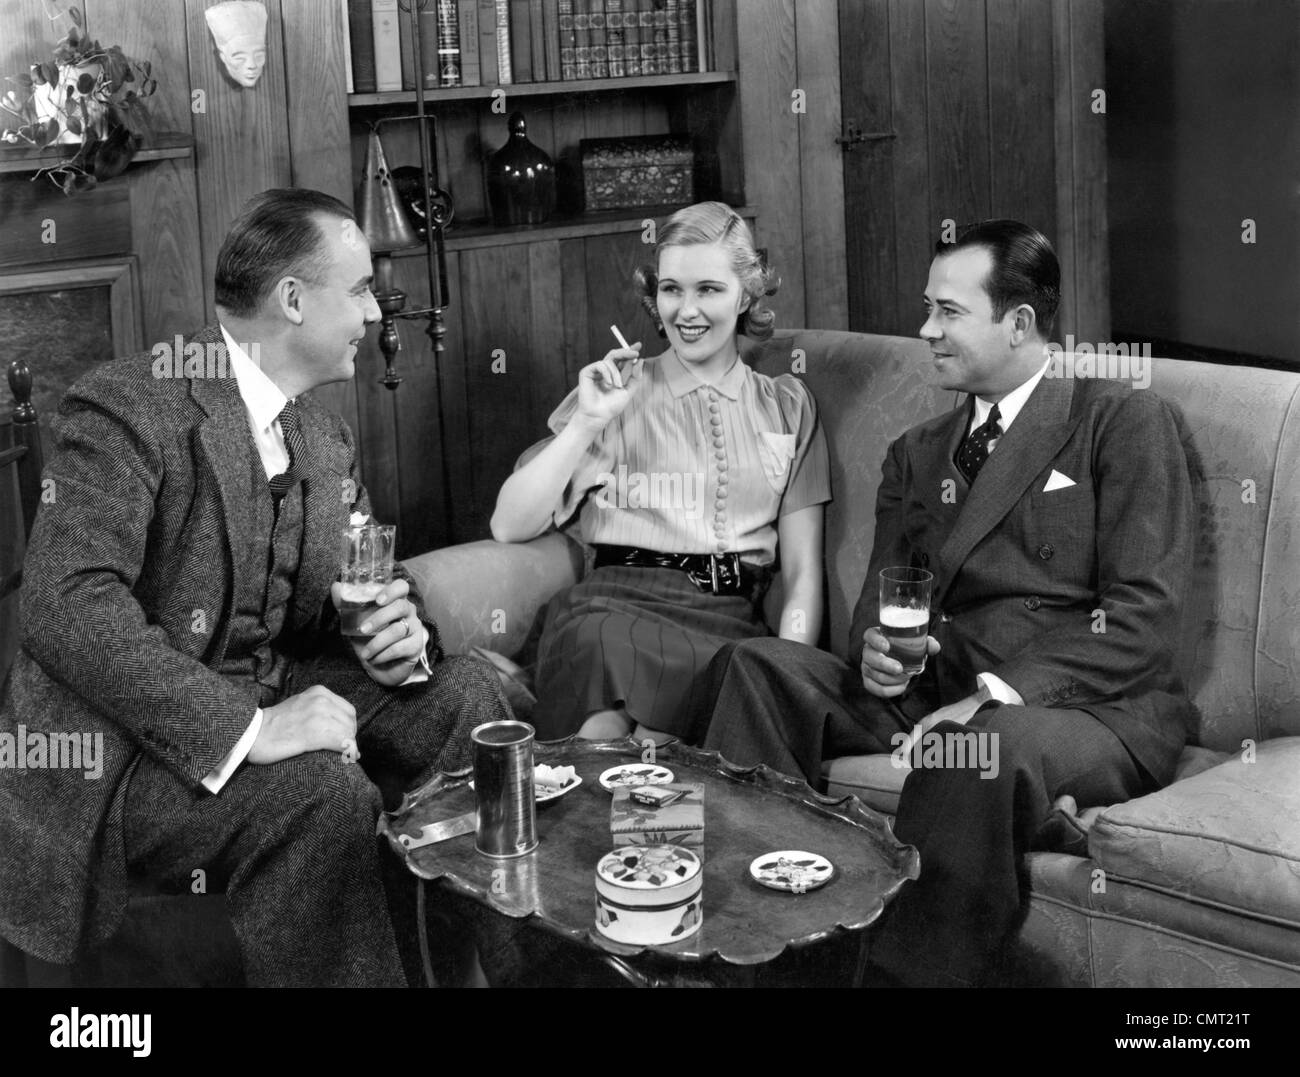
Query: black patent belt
719, 573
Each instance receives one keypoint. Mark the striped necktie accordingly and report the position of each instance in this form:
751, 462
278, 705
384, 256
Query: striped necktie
975, 449
293, 441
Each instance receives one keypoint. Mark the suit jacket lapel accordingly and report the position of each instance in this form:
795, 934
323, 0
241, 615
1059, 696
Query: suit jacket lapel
1035, 438
227, 449
229, 452
325, 512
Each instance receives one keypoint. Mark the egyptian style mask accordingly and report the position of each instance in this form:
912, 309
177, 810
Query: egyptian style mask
239, 29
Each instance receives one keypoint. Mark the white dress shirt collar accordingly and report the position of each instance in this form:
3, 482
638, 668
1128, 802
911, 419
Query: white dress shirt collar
1011, 404
263, 402
262, 397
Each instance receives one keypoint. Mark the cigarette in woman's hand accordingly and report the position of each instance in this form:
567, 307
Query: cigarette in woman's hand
622, 343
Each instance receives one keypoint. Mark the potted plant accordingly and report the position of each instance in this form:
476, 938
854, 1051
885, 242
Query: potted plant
88, 95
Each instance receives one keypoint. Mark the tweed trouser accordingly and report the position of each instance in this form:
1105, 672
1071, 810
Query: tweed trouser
313, 899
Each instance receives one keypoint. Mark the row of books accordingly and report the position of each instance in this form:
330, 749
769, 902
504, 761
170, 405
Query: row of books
500, 42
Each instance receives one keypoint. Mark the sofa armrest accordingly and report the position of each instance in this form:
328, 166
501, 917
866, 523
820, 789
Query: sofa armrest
489, 594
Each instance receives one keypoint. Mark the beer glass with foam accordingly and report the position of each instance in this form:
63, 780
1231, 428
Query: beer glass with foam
365, 566
905, 614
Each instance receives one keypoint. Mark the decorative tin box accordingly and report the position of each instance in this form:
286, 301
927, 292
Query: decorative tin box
649, 895
640, 170
680, 822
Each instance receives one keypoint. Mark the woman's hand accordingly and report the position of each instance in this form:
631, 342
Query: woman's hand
528, 498
604, 389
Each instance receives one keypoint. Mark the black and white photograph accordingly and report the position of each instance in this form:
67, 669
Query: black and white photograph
651, 494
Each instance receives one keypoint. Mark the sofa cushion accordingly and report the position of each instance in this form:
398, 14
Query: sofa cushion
490, 594
1229, 835
873, 779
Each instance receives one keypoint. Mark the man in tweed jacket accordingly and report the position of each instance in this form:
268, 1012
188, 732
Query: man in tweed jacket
177, 603
1059, 569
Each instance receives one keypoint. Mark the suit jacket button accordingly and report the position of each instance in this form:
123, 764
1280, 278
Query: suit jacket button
1045, 551
1033, 602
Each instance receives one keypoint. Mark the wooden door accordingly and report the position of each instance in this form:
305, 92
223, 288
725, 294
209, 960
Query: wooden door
961, 110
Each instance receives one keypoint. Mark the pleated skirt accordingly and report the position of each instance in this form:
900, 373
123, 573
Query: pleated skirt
638, 639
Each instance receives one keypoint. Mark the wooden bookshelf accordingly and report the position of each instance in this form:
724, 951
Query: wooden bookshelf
478, 234
433, 96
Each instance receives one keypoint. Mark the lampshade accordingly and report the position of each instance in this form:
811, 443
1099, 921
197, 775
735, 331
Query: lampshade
383, 219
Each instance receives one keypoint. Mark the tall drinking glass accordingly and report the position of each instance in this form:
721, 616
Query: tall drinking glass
365, 566
905, 614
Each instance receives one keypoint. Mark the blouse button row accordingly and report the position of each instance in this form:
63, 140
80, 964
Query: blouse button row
720, 455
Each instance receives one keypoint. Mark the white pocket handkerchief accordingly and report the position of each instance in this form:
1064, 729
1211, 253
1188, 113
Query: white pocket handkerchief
1057, 481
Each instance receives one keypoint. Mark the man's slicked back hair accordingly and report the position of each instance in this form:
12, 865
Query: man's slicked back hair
277, 234
1025, 268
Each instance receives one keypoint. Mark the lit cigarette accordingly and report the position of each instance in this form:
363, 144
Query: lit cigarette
619, 337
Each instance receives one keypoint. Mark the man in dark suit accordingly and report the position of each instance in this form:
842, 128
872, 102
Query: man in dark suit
1055, 516
176, 608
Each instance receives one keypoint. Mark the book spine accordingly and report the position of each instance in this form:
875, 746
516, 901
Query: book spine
407, 45
487, 42
537, 30
388, 45
615, 39
347, 47
631, 38
551, 22
568, 40
704, 31
690, 42
582, 38
361, 31
688, 16
661, 37
471, 70
673, 19
447, 45
505, 74
645, 23
521, 41
599, 48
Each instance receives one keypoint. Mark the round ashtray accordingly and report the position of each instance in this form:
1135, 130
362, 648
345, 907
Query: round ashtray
792, 870
630, 774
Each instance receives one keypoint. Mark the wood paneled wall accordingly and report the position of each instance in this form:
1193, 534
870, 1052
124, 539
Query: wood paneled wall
989, 104
793, 168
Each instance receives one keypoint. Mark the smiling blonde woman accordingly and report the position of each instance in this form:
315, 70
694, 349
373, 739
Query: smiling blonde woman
687, 472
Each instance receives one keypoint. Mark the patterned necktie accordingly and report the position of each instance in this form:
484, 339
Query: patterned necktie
293, 441
975, 449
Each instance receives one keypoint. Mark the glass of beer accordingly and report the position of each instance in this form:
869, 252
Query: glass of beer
365, 566
905, 614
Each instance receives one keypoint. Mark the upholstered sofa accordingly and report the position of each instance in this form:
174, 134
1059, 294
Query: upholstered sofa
1196, 885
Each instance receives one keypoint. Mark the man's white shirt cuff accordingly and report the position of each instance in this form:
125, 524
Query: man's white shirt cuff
999, 689
421, 672
220, 774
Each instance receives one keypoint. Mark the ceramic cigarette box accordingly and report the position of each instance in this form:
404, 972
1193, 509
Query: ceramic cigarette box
649, 895
678, 822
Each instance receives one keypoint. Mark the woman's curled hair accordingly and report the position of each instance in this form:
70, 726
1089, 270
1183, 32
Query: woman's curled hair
715, 222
